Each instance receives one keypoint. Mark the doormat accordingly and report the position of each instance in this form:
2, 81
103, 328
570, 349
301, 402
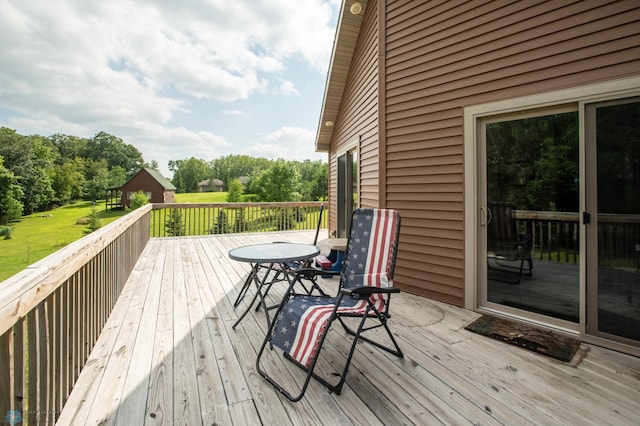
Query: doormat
544, 342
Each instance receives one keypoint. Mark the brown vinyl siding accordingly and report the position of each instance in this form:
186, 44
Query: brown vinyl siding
358, 117
442, 56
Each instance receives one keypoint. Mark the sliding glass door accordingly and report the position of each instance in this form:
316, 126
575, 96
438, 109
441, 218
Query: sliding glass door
529, 214
613, 213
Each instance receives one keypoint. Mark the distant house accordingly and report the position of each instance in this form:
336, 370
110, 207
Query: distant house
210, 185
157, 188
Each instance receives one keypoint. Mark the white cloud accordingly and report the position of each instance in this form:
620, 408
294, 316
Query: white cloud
288, 88
290, 143
135, 68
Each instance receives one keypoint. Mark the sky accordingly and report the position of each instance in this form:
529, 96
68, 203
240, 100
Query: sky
175, 79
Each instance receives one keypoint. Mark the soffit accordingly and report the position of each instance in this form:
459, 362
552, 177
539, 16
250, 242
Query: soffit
344, 45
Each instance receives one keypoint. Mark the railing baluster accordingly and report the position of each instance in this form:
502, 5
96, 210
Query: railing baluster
6, 398
18, 367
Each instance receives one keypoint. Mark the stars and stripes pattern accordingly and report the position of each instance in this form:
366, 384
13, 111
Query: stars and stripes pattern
368, 261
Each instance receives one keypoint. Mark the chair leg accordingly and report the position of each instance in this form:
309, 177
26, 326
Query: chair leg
383, 323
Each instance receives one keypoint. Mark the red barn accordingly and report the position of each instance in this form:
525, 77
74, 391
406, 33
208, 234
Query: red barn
157, 188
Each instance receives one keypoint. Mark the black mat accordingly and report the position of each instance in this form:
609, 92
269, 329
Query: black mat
534, 339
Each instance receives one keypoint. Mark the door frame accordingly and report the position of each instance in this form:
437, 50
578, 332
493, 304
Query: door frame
344, 185
579, 96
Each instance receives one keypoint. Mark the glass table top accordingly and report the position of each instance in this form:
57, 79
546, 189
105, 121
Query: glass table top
274, 252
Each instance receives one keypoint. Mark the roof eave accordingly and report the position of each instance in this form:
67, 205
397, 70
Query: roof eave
344, 45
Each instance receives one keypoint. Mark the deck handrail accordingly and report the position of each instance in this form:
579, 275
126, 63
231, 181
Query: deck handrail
188, 219
52, 312
556, 235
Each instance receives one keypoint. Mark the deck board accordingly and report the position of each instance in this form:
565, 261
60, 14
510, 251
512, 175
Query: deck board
168, 354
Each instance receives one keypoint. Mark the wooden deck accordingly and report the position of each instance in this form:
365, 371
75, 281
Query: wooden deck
168, 355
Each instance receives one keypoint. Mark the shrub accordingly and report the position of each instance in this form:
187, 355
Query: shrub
6, 232
94, 221
174, 224
285, 219
139, 199
222, 224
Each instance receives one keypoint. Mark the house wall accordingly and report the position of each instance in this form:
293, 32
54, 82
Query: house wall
443, 56
438, 57
143, 181
357, 120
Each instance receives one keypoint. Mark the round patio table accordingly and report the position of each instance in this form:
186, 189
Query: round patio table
270, 254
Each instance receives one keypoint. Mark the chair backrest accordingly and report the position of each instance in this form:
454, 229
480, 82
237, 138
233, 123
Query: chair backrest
502, 223
371, 248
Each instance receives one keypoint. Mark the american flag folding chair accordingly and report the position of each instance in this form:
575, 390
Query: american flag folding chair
302, 321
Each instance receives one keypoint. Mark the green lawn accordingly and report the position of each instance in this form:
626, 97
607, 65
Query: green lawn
40, 234
202, 197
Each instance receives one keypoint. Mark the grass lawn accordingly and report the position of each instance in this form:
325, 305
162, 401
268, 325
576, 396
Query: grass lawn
40, 234
202, 197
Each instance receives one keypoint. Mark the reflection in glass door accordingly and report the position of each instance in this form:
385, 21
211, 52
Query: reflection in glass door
613, 234
529, 216
347, 190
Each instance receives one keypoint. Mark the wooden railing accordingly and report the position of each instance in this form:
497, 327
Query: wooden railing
52, 313
556, 236
225, 218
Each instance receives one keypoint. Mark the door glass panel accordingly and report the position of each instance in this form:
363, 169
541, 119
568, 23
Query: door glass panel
618, 219
342, 196
531, 220
347, 190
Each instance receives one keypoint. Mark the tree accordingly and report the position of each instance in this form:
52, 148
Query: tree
221, 225
30, 159
94, 221
280, 182
314, 180
235, 166
10, 195
187, 174
117, 177
67, 147
532, 162
97, 179
234, 193
104, 146
67, 181
174, 224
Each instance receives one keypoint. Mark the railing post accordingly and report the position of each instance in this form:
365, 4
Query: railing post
5, 374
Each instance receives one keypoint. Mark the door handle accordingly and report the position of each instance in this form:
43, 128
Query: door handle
485, 216
586, 218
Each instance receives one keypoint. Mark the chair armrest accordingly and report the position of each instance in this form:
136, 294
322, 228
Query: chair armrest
368, 290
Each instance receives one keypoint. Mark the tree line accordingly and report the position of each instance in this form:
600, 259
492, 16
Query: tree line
265, 180
40, 172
